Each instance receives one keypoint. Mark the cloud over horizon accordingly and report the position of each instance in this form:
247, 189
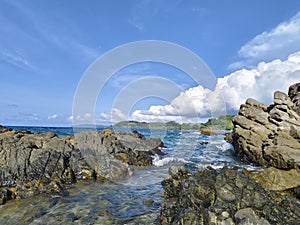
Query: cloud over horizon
269, 45
232, 90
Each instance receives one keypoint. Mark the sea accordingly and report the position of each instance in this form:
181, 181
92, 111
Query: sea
136, 200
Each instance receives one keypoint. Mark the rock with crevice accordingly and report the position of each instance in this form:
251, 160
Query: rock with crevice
269, 135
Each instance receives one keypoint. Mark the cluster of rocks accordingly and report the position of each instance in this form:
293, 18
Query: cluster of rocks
269, 135
32, 163
226, 197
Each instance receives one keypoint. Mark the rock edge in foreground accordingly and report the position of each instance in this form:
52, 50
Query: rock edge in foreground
225, 196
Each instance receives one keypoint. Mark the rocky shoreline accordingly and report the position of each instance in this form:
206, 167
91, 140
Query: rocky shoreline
32, 163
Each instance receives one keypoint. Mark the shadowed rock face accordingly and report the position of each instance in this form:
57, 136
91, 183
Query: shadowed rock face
223, 197
269, 135
31, 163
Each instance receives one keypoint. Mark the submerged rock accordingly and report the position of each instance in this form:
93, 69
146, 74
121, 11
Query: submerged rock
207, 131
225, 196
269, 135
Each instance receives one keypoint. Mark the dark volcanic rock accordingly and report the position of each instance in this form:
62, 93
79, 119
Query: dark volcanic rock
269, 135
31, 163
223, 197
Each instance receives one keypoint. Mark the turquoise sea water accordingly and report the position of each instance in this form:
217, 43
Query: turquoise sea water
133, 201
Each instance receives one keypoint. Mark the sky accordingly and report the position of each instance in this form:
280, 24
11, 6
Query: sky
46, 47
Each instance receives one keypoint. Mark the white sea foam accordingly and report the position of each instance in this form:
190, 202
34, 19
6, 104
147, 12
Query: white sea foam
158, 162
203, 166
224, 146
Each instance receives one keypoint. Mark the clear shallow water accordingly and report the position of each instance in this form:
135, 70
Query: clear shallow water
132, 201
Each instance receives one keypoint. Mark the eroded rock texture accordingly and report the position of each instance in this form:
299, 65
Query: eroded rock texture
224, 197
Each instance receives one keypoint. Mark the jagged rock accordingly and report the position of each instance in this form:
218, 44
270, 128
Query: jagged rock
269, 135
32, 163
223, 196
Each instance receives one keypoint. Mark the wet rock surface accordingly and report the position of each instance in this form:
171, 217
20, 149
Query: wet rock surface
32, 163
269, 135
225, 196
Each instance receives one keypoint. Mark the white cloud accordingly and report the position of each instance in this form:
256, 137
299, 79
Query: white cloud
116, 115
277, 43
52, 117
30, 118
16, 58
232, 90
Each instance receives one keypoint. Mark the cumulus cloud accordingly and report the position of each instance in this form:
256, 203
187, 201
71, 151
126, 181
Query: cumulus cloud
276, 43
230, 92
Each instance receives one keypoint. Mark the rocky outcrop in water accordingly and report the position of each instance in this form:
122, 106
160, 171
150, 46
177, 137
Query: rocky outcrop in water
32, 163
269, 135
111, 154
224, 197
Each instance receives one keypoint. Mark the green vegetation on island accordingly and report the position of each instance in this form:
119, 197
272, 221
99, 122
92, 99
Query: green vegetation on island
220, 123
171, 125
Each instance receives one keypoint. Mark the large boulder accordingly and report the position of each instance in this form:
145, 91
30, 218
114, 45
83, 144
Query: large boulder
223, 196
269, 135
111, 154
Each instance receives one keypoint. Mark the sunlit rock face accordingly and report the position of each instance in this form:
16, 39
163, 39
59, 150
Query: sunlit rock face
270, 134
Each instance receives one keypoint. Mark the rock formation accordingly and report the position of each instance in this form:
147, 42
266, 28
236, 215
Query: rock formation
269, 135
265, 135
32, 163
224, 197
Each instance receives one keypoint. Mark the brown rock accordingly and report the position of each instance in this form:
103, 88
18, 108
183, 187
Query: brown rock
207, 131
277, 180
269, 135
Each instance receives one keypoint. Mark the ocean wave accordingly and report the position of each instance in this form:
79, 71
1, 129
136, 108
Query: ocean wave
224, 146
159, 162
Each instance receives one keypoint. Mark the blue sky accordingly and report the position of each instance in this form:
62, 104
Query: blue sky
46, 46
